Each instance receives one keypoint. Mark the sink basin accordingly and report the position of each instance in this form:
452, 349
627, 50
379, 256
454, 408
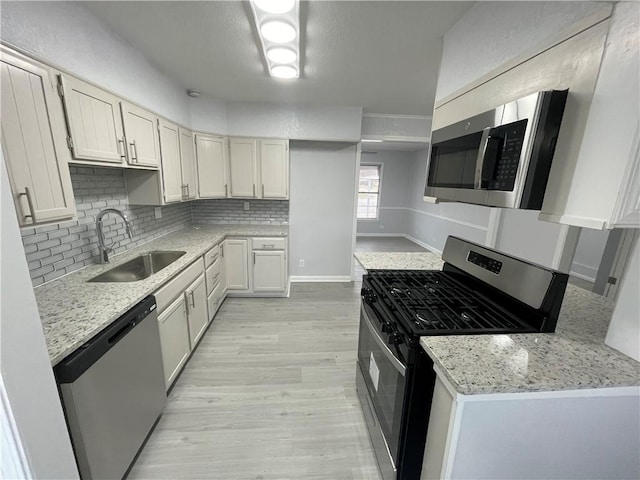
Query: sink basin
139, 268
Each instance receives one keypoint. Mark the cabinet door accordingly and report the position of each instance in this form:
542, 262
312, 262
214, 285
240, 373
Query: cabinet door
243, 167
174, 339
196, 297
171, 169
188, 163
31, 133
94, 121
274, 168
268, 271
211, 155
236, 263
141, 133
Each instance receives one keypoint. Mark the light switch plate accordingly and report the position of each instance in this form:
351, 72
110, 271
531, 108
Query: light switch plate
158, 212
246, 206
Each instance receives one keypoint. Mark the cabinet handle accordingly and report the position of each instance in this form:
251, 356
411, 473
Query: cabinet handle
225, 190
263, 190
121, 148
193, 300
222, 251
186, 305
254, 189
32, 211
187, 186
254, 258
134, 151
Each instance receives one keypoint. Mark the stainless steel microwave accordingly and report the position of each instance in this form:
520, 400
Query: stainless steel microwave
499, 158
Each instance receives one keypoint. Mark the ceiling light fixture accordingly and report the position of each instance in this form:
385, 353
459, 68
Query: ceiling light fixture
276, 7
281, 55
278, 26
284, 71
277, 32
370, 140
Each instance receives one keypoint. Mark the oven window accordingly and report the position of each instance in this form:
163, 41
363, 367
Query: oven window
453, 162
385, 384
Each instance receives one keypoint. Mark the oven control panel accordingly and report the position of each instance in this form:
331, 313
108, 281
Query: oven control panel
494, 266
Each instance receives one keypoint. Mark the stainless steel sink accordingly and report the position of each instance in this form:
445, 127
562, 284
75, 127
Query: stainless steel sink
139, 268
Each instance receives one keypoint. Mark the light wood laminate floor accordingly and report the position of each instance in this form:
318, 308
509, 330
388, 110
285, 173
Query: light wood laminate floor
387, 244
268, 394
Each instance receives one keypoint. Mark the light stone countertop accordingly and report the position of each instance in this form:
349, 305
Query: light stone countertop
574, 357
73, 310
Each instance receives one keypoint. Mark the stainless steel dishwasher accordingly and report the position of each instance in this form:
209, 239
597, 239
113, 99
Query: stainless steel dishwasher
113, 391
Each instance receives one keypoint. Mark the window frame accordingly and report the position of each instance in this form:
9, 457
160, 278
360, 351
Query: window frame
380, 166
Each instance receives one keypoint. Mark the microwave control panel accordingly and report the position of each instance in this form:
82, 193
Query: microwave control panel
504, 156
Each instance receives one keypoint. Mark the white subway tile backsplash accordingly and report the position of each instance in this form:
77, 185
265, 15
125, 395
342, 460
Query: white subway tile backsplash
57, 249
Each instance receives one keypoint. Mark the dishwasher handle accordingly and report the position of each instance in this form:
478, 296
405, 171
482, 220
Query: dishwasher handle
70, 368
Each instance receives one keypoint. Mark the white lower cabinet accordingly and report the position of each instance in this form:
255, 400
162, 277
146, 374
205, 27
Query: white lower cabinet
174, 339
182, 314
236, 256
196, 297
269, 271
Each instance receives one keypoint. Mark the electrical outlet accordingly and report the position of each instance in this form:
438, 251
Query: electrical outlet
301, 263
158, 212
246, 206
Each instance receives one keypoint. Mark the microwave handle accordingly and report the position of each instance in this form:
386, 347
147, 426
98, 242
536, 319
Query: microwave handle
488, 155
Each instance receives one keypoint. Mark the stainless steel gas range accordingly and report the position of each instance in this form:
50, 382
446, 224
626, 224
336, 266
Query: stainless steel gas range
478, 291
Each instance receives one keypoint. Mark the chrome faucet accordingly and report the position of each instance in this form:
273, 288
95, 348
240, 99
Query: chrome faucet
102, 248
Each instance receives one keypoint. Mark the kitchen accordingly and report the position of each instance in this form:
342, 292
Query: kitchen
95, 59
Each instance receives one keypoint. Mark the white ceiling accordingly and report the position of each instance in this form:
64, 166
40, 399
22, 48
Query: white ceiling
381, 56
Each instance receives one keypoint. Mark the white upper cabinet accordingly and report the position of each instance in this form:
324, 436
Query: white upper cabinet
274, 169
171, 169
243, 167
188, 165
33, 142
141, 133
95, 125
211, 155
259, 168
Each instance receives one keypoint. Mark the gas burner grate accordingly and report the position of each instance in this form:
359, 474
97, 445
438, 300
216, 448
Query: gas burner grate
435, 303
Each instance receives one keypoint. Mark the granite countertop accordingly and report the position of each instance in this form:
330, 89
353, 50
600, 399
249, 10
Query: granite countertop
574, 357
73, 311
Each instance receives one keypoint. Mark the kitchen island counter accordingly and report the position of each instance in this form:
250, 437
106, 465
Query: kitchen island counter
574, 357
73, 310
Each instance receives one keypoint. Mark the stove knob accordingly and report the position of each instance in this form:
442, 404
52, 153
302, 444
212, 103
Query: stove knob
367, 294
395, 339
387, 327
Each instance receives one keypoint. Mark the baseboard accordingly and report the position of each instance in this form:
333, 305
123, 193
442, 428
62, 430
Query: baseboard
422, 244
396, 235
582, 277
320, 279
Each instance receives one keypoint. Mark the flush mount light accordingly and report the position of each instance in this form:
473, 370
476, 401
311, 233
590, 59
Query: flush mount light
277, 31
284, 71
277, 24
276, 7
370, 140
281, 55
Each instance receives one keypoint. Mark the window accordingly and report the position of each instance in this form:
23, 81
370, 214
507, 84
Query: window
369, 192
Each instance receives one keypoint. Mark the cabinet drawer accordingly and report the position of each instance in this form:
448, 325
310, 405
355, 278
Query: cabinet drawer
269, 243
212, 255
166, 294
213, 275
214, 300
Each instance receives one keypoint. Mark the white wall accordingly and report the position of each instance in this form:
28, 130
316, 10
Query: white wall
296, 122
492, 33
624, 329
394, 193
589, 253
70, 37
208, 115
322, 201
24, 360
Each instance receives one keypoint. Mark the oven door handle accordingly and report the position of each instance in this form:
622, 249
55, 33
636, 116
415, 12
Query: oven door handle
397, 364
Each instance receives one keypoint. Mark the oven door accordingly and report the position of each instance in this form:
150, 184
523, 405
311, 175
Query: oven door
381, 382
